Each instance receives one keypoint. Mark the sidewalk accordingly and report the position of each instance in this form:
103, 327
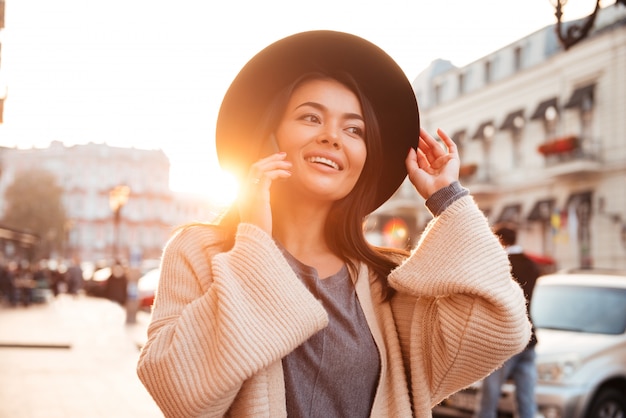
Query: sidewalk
72, 358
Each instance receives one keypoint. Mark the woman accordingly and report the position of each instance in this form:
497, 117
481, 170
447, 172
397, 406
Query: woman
282, 308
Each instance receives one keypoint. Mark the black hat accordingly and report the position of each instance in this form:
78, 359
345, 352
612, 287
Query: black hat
280, 64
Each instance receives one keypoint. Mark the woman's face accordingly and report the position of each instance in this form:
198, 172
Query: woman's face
322, 131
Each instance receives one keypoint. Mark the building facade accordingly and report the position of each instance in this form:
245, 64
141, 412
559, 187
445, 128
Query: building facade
542, 138
87, 174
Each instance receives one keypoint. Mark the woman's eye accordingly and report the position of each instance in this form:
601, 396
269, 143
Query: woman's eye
311, 118
355, 130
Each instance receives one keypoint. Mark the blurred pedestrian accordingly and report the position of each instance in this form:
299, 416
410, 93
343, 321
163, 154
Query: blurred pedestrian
57, 280
282, 308
521, 367
74, 277
116, 288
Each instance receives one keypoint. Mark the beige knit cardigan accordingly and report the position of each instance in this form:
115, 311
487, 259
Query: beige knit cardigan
222, 321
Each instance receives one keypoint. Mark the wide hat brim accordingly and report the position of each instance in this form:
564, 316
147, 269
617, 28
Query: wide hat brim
380, 78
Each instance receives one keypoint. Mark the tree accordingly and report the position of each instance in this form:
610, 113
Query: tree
34, 203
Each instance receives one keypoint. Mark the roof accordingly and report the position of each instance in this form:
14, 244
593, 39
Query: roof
586, 277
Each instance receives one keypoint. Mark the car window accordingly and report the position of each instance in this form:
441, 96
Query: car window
579, 308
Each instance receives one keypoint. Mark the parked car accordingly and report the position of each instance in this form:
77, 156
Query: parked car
96, 284
146, 288
580, 316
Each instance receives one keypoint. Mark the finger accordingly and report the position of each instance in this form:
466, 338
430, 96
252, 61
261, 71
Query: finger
423, 161
425, 135
449, 143
430, 146
273, 162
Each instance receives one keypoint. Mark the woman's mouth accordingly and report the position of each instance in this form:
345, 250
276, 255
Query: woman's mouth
325, 161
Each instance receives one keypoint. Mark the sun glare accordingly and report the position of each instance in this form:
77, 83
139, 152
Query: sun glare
223, 189
218, 186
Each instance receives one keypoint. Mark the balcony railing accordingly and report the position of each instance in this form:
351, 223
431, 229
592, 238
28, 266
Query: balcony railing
570, 155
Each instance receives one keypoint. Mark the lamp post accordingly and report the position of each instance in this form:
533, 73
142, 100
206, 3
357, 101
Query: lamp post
575, 32
118, 197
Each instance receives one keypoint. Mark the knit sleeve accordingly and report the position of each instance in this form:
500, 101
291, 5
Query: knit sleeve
460, 313
444, 197
221, 317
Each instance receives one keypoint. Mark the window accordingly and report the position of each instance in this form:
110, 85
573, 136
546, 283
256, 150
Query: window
580, 308
488, 71
548, 113
461, 83
517, 58
583, 99
514, 123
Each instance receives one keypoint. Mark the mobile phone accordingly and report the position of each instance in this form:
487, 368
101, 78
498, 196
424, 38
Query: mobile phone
269, 146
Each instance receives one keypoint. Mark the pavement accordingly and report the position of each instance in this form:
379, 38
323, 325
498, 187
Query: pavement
72, 357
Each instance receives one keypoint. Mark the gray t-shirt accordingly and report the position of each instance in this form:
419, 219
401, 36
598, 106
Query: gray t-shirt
335, 372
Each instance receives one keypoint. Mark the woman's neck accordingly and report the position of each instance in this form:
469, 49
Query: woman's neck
301, 232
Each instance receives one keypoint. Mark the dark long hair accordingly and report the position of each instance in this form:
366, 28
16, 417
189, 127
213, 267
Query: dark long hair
344, 225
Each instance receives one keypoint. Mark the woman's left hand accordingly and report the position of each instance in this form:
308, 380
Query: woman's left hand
433, 166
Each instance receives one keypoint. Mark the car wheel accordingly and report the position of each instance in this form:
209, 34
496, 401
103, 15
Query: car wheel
609, 403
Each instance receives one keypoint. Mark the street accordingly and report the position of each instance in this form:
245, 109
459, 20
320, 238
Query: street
72, 357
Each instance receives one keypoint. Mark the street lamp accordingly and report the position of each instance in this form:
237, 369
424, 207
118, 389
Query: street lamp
575, 32
118, 197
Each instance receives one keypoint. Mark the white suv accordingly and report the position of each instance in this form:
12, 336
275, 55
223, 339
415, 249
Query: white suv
580, 316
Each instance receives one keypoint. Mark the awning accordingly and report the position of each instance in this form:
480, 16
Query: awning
26, 239
510, 213
509, 121
541, 211
579, 197
458, 136
579, 95
480, 132
543, 106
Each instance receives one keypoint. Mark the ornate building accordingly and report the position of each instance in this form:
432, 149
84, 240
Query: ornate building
542, 137
136, 230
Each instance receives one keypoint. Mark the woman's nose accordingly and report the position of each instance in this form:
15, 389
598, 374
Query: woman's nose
331, 138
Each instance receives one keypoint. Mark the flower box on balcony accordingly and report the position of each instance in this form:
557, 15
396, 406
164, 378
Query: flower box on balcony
467, 170
559, 145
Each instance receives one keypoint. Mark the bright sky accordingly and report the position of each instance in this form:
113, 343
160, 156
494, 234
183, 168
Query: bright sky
152, 73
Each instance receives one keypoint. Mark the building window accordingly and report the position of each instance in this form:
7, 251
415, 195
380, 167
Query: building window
548, 113
461, 83
549, 121
517, 58
583, 99
486, 132
514, 123
488, 71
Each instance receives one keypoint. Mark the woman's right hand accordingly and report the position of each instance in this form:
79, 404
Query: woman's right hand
254, 197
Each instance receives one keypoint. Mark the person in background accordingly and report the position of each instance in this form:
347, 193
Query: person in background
521, 367
116, 288
281, 307
58, 281
74, 277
